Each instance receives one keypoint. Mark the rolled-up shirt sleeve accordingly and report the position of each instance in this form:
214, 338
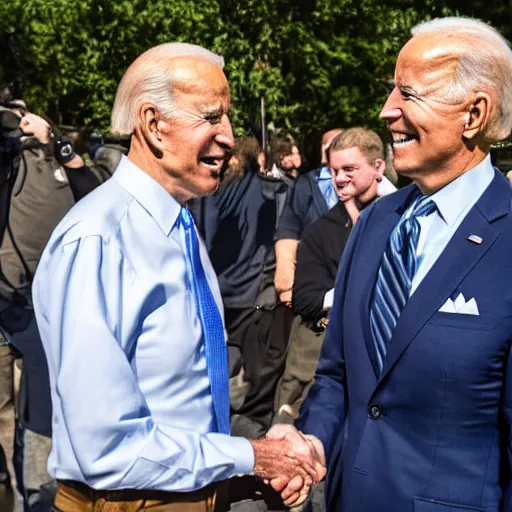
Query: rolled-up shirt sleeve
104, 425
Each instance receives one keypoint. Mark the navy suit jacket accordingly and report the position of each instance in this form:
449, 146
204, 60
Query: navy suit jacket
433, 432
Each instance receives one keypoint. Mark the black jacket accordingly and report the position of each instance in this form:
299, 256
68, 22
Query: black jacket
318, 257
238, 225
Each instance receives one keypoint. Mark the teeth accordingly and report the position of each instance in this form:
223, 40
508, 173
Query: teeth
403, 139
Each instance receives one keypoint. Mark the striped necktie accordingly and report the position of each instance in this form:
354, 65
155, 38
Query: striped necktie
395, 275
212, 327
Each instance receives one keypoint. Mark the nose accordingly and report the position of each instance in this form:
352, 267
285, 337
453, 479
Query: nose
225, 136
391, 110
340, 177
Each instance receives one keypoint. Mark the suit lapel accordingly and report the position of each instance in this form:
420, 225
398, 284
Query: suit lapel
452, 266
370, 260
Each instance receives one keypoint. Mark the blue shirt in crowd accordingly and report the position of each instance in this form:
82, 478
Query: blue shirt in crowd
326, 186
132, 406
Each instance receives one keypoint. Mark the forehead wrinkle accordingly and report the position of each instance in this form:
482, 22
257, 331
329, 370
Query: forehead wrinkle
435, 66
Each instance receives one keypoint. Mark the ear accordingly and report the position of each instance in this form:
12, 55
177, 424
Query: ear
261, 160
380, 167
152, 126
477, 115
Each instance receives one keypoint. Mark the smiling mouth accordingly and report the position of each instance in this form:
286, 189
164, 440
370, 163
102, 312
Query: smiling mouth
402, 139
214, 163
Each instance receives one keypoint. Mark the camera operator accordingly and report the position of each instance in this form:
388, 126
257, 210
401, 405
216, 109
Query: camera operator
49, 181
9, 159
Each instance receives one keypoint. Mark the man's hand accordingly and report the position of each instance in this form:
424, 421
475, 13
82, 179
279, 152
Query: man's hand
31, 124
276, 461
273, 460
304, 447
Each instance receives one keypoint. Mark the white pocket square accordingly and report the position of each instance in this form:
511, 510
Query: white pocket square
459, 305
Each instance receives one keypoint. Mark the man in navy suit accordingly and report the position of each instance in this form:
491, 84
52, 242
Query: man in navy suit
412, 405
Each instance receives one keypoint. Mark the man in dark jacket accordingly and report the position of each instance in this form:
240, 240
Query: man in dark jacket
311, 196
356, 161
50, 179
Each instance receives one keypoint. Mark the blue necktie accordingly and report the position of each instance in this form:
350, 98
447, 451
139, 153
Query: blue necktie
213, 329
395, 275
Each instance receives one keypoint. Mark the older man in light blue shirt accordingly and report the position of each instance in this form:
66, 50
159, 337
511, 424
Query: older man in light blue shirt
129, 311
144, 418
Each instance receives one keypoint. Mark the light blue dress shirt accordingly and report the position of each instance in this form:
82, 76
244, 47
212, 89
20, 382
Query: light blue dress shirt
132, 406
324, 180
453, 203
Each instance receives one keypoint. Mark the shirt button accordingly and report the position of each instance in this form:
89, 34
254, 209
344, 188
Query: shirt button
375, 411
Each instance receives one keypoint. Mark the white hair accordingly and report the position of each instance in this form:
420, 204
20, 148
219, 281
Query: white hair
486, 67
148, 79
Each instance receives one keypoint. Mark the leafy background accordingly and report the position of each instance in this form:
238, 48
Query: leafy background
317, 63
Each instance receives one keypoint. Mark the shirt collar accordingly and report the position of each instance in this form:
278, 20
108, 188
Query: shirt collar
324, 173
148, 193
455, 198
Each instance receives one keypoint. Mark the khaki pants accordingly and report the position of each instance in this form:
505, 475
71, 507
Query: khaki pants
69, 499
303, 352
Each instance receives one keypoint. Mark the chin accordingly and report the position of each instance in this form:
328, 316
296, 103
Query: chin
211, 188
405, 167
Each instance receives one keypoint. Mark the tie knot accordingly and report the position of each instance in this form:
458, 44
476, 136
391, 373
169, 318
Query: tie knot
186, 218
424, 207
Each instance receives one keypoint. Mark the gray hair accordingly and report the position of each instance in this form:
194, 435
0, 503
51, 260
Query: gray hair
486, 67
148, 79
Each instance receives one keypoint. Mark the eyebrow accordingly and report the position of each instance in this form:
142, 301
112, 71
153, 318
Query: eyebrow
212, 110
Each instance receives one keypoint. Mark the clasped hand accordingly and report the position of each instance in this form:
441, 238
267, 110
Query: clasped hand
290, 462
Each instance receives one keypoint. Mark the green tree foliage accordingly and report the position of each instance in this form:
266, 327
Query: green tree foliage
318, 63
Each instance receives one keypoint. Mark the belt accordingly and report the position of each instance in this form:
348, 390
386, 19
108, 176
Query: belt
138, 494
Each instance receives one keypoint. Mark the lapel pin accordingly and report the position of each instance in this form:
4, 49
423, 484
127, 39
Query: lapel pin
475, 239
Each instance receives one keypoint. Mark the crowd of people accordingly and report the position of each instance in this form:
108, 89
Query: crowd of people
180, 309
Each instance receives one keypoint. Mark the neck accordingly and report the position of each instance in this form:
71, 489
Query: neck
432, 182
148, 162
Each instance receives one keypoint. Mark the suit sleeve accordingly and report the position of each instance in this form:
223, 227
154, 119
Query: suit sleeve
507, 415
324, 412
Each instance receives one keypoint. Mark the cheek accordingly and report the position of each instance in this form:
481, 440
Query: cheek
363, 181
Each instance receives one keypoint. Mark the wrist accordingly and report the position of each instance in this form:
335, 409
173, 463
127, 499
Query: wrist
264, 453
318, 446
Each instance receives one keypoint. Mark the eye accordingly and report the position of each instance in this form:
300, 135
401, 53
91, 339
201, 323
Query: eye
213, 118
406, 94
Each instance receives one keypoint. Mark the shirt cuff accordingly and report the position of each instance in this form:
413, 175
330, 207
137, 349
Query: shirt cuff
239, 449
244, 462
284, 233
329, 299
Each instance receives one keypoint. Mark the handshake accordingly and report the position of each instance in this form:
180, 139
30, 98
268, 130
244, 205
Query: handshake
290, 462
